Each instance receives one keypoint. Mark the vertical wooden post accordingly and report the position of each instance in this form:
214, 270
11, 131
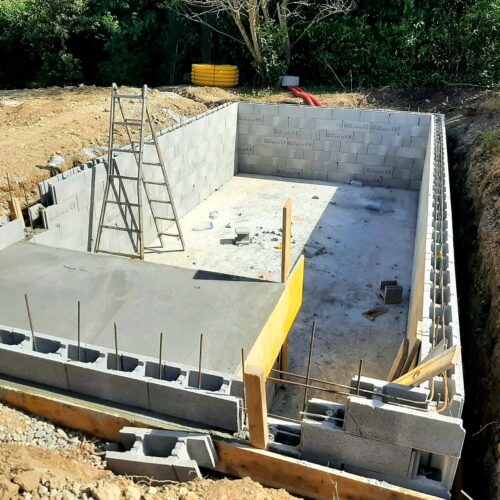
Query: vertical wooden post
255, 386
15, 209
286, 265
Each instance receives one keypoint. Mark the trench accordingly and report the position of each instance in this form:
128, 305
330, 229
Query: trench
477, 473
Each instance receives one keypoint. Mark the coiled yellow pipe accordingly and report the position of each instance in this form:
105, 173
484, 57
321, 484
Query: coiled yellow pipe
214, 75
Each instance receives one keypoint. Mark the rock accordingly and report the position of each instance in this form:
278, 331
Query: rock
8, 490
62, 433
189, 496
29, 480
43, 490
152, 490
109, 492
132, 493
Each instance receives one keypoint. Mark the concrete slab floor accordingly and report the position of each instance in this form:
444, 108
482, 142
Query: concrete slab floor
360, 235
143, 299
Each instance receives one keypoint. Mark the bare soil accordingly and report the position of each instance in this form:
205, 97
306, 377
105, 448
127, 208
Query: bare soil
35, 469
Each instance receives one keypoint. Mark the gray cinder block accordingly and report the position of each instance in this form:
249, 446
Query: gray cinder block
11, 233
422, 430
162, 455
44, 366
325, 442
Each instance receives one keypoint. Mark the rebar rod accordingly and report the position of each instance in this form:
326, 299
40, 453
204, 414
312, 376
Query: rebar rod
199, 361
33, 341
308, 372
159, 357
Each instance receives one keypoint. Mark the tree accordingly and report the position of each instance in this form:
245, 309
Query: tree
269, 29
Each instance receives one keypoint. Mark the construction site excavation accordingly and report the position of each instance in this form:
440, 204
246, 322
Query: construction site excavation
273, 279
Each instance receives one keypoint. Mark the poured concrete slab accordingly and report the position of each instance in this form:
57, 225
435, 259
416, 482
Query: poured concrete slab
353, 238
143, 299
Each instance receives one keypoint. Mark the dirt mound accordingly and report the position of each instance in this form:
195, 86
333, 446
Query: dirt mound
69, 123
211, 96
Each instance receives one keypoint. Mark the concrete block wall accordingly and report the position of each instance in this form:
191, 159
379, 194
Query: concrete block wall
433, 264
381, 148
398, 444
92, 371
11, 232
199, 156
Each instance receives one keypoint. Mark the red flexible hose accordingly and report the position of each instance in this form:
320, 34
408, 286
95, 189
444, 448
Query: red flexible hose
308, 98
303, 95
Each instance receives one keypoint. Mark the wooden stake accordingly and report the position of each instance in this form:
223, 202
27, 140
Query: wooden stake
255, 384
286, 242
428, 369
15, 209
399, 360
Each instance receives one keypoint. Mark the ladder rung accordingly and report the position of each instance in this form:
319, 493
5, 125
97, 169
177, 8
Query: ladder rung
155, 183
123, 203
122, 150
125, 177
165, 218
116, 228
135, 123
160, 201
170, 234
128, 96
150, 143
151, 163
121, 254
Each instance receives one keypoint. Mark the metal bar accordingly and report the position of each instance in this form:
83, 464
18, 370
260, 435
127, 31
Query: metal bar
120, 254
123, 177
153, 182
199, 361
170, 234
308, 373
33, 341
129, 96
139, 182
116, 349
326, 417
161, 201
124, 150
159, 357
10, 188
164, 218
116, 228
112, 202
243, 375
78, 332
359, 376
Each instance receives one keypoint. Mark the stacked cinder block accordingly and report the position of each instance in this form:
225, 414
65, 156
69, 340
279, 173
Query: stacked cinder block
419, 449
199, 156
434, 292
11, 232
381, 148
214, 400
162, 455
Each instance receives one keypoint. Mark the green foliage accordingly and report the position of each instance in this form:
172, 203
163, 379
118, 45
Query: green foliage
273, 42
400, 43
490, 141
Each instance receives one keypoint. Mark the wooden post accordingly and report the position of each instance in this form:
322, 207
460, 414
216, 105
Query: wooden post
255, 386
286, 265
15, 209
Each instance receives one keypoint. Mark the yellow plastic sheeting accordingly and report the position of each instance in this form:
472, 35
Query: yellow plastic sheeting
268, 345
213, 75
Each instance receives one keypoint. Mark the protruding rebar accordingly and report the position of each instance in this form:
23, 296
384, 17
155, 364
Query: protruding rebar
308, 372
243, 375
359, 376
116, 349
199, 361
10, 188
33, 341
78, 332
160, 371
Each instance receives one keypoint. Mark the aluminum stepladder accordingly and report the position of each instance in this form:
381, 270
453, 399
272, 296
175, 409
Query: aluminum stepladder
127, 187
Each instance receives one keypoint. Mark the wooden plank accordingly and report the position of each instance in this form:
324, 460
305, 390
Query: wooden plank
235, 458
286, 241
303, 478
425, 371
399, 360
267, 346
255, 387
412, 356
15, 209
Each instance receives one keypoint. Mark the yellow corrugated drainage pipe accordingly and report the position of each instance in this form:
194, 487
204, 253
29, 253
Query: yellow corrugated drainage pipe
214, 75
